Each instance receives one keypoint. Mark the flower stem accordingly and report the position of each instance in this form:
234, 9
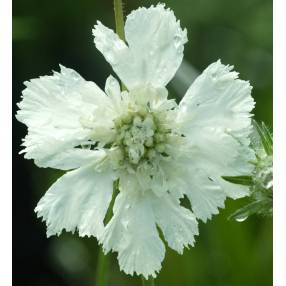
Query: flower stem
119, 19
102, 260
149, 282
101, 269
102, 266
119, 25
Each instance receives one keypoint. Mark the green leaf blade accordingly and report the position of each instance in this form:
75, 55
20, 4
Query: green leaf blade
240, 180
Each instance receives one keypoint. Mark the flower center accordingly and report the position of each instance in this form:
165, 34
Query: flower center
140, 137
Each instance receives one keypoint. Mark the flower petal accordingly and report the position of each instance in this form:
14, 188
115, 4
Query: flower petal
215, 117
112, 88
217, 98
155, 47
54, 109
72, 159
77, 200
132, 233
217, 154
205, 195
178, 224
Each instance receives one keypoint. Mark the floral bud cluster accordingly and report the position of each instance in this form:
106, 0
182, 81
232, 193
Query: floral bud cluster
261, 179
139, 137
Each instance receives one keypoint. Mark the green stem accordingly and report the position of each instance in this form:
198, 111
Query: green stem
119, 25
119, 19
103, 260
149, 282
101, 269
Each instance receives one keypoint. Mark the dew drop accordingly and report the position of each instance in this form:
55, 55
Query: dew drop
110, 57
177, 41
125, 224
241, 219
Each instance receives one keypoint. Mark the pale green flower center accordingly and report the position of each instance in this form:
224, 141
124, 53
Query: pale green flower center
140, 137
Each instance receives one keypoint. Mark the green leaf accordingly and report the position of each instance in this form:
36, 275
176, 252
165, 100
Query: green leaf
261, 207
265, 137
240, 180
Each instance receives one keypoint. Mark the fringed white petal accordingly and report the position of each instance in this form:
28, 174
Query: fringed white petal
218, 99
77, 201
179, 225
55, 108
215, 117
72, 159
154, 49
133, 234
205, 194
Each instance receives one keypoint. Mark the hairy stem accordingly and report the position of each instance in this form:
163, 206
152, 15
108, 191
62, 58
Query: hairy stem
119, 25
119, 19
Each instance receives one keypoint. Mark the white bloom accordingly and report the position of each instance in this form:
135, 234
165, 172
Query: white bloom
157, 150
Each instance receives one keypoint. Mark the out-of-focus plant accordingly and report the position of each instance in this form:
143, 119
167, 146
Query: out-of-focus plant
261, 180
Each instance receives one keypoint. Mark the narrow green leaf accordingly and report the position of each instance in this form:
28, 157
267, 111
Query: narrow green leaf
240, 180
265, 137
261, 207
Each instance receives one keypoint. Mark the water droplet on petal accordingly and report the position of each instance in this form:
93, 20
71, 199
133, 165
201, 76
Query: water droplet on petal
125, 224
178, 41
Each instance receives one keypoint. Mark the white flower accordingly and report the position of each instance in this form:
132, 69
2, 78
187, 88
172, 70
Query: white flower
156, 150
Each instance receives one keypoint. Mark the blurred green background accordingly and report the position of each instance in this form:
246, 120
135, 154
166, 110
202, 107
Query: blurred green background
46, 33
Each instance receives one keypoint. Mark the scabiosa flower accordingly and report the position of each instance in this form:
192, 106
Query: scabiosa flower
153, 149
